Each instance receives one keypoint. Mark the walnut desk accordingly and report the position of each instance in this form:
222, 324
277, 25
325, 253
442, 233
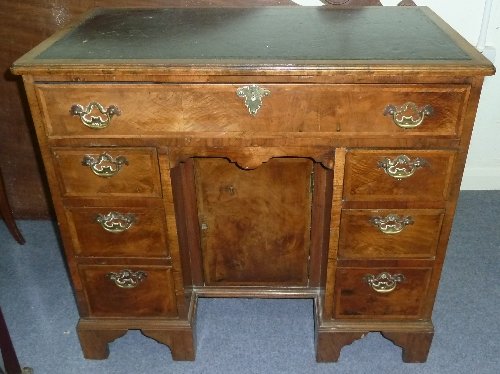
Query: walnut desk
264, 152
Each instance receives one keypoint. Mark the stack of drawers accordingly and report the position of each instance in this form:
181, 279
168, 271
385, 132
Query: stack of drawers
113, 203
396, 237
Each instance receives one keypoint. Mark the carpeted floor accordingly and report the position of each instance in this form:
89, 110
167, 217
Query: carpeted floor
260, 336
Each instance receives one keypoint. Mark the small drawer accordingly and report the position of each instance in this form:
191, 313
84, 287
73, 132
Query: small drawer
408, 110
386, 234
118, 231
382, 293
397, 175
129, 291
94, 172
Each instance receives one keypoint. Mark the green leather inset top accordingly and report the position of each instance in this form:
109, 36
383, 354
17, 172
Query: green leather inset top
269, 33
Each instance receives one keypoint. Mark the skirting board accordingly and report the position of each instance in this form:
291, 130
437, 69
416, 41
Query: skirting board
481, 178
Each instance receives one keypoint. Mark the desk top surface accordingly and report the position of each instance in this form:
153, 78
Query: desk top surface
252, 36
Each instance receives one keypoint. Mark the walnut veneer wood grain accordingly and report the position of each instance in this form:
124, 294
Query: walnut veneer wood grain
366, 180
139, 176
146, 236
361, 238
156, 109
152, 297
356, 299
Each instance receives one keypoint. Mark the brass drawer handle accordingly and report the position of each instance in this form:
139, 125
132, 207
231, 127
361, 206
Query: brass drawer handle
402, 166
127, 278
252, 95
392, 223
104, 165
408, 115
116, 222
383, 282
99, 121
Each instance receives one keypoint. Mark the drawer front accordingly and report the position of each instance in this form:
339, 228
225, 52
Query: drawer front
406, 110
397, 175
108, 171
118, 231
397, 293
395, 233
129, 291
155, 109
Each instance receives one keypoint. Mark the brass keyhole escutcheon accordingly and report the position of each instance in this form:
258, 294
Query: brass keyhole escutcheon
252, 96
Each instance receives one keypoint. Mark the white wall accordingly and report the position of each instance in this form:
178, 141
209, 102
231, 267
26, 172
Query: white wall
482, 171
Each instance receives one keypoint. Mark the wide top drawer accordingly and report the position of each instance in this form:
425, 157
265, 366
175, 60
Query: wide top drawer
111, 110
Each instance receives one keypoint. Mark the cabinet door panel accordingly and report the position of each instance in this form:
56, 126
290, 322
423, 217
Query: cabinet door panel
255, 224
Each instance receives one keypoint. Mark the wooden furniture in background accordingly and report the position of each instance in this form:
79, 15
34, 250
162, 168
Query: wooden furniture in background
406, 3
278, 152
9, 356
6, 213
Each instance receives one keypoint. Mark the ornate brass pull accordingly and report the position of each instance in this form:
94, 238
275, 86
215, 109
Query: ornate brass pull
408, 115
104, 165
100, 121
401, 167
127, 278
392, 223
253, 95
115, 222
384, 282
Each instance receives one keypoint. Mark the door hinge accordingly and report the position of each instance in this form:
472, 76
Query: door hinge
311, 182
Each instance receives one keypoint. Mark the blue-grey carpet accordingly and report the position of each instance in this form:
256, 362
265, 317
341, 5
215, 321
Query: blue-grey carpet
260, 336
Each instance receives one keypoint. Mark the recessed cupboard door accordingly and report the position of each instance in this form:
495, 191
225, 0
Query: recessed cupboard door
254, 224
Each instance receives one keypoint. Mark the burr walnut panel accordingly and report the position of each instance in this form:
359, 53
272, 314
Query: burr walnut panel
255, 224
119, 231
151, 294
389, 233
301, 108
126, 172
